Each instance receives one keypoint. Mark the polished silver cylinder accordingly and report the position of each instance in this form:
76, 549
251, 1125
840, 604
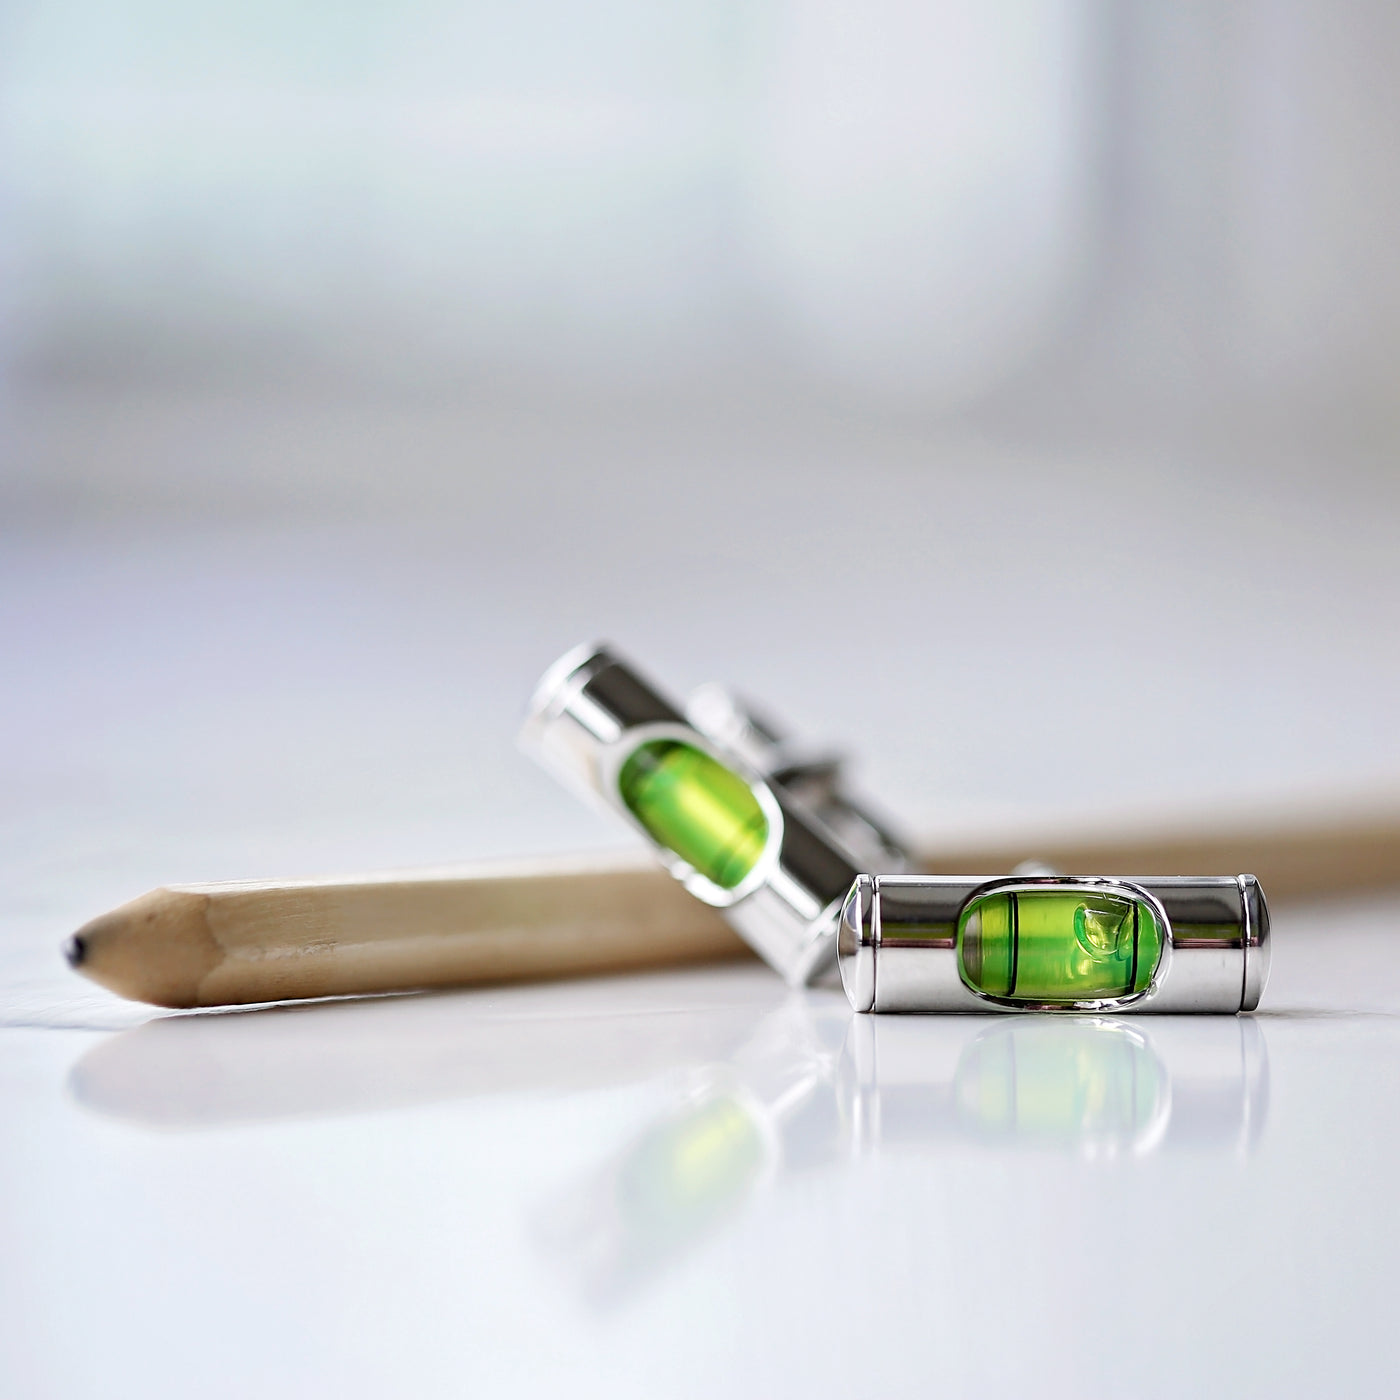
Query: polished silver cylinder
593, 711
899, 943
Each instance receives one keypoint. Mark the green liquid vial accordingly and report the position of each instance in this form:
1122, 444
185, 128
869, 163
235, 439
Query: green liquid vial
1058, 946
695, 806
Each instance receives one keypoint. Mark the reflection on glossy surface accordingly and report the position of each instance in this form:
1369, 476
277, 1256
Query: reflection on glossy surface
771, 1108
779, 1081
1095, 1087
367, 1055
763, 1086
1098, 1087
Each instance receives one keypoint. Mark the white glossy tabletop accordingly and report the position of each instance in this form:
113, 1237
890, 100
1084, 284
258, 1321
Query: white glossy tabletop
696, 1183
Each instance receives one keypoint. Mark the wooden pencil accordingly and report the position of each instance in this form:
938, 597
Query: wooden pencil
259, 941
255, 941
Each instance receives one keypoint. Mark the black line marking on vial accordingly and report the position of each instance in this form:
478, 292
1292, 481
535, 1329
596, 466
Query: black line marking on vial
1015, 942
1132, 976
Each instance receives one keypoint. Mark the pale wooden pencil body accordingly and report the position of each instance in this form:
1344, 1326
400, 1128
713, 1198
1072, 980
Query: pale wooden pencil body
227, 944
237, 943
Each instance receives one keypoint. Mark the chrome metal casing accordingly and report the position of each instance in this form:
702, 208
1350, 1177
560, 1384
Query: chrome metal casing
592, 710
897, 943
1258, 948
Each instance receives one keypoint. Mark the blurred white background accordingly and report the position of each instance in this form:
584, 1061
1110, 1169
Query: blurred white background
1005, 388
919, 209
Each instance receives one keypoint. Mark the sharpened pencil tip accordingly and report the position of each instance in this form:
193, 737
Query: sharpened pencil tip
75, 950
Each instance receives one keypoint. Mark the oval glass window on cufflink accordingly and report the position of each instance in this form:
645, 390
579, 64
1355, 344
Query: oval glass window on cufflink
1048, 945
690, 803
1054, 943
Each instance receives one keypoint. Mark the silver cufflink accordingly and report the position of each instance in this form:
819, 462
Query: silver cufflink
733, 811
806, 874
1054, 943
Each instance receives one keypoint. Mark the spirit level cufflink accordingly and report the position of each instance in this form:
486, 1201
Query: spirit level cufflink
1054, 943
738, 837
